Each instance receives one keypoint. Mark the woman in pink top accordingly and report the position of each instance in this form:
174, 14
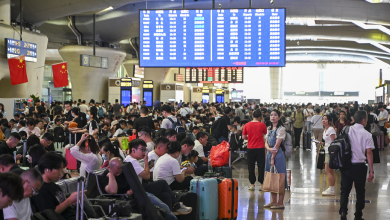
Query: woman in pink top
254, 132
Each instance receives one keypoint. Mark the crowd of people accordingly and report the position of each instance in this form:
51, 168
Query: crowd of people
171, 146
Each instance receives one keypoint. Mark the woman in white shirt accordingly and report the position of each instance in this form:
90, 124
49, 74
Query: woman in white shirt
87, 151
31, 129
329, 135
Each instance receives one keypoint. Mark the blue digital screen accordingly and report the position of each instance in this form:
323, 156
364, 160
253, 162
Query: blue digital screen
148, 97
17, 48
125, 97
212, 37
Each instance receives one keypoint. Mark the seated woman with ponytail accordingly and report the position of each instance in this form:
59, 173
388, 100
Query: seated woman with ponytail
108, 152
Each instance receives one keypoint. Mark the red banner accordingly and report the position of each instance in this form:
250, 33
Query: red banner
60, 74
17, 70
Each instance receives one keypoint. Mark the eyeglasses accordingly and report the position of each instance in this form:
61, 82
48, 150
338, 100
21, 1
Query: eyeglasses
34, 192
143, 149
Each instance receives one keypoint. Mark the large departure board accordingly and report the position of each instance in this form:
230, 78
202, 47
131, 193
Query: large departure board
212, 37
17, 48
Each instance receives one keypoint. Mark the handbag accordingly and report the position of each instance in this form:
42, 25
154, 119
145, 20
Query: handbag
274, 182
321, 158
375, 130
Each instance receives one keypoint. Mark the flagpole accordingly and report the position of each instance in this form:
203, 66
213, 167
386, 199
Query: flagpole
21, 18
59, 63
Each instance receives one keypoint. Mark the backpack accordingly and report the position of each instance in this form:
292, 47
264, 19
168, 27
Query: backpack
215, 129
177, 126
287, 145
340, 153
83, 118
100, 112
59, 134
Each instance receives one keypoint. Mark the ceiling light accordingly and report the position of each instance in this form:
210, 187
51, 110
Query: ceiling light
105, 10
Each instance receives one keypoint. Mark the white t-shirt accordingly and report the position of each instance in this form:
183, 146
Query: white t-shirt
152, 156
199, 148
89, 161
166, 169
150, 146
309, 112
383, 115
35, 131
83, 108
118, 132
137, 166
317, 121
167, 124
327, 138
19, 210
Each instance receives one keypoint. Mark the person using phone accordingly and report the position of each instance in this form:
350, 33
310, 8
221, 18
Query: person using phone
159, 188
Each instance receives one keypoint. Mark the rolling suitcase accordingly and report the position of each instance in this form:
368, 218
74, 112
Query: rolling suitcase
72, 162
224, 171
207, 191
228, 199
306, 140
189, 199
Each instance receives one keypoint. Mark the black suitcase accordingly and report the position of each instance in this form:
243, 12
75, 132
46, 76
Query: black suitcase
306, 140
189, 199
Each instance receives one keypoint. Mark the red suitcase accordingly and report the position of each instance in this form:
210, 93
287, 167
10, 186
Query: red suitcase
72, 162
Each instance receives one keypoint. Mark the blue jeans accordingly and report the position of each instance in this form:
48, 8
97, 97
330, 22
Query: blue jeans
309, 127
222, 138
156, 201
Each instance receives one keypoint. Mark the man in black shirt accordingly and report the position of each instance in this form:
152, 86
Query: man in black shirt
39, 108
50, 195
46, 141
68, 108
143, 121
225, 125
117, 108
92, 107
8, 147
7, 164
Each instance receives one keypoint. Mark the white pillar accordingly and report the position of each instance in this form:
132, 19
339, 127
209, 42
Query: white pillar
5, 11
275, 74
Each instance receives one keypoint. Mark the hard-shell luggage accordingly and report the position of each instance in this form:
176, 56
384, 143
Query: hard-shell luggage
207, 191
72, 162
228, 199
381, 141
306, 140
189, 199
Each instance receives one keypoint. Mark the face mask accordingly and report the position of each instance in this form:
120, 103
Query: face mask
104, 157
72, 115
87, 117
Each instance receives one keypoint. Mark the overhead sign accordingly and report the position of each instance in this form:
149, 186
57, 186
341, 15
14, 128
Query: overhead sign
17, 48
179, 77
139, 71
214, 75
94, 61
148, 84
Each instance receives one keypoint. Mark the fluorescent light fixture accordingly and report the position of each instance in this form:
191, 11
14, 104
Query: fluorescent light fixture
105, 10
378, 1
49, 81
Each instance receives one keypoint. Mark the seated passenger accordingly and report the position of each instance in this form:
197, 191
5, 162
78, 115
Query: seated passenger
51, 196
31, 141
11, 189
201, 141
144, 134
8, 146
158, 188
160, 150
87, 151
109, 151
167, 168
34, 155
113, 181
32, 182
7, 164
171, 134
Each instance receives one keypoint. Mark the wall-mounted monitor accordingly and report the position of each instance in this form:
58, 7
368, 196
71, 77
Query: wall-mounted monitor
212, 38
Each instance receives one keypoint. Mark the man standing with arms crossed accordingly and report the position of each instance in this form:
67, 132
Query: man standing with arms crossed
361, 143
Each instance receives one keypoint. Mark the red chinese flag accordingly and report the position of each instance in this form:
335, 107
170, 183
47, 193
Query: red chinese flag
60, 74
17, 70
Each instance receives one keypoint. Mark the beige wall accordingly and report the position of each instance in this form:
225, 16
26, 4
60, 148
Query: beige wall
90, 82
34, 70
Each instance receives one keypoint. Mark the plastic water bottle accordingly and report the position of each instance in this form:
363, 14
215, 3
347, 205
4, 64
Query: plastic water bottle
210, 166
15, 156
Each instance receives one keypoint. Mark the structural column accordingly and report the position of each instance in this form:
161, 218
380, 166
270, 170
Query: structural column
276, 79
90, 82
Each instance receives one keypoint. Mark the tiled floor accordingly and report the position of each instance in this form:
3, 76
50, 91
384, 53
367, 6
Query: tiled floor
306, 201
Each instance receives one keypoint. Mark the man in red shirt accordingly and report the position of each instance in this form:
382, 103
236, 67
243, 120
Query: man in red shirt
254, 132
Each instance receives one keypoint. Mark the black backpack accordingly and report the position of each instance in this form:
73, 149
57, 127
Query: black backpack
59, 135
216, 129
83, 118
340, 153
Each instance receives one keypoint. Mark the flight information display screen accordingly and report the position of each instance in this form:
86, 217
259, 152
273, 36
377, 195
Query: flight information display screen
212, 37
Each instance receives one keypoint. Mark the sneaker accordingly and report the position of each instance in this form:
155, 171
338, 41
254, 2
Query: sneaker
328, 192
276, 206
183, 210
269, 205
251, 188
